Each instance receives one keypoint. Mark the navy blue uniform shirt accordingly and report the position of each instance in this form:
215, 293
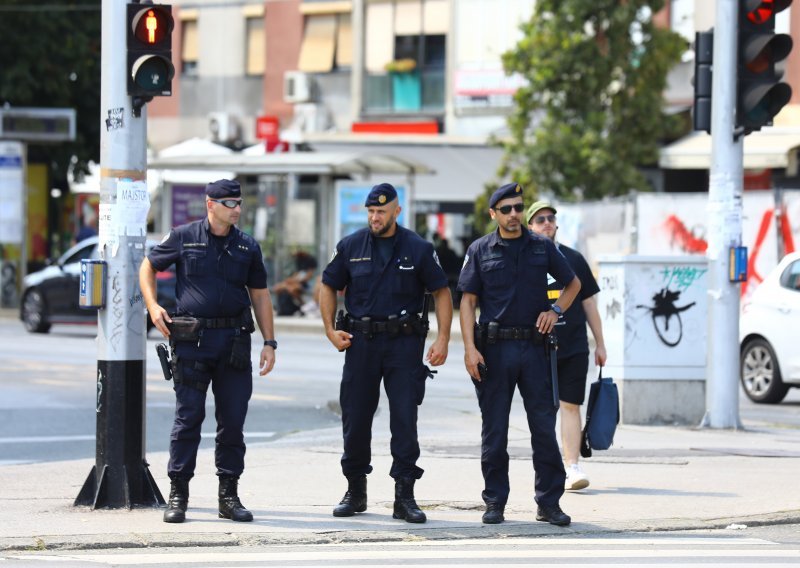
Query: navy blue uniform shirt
512, 291
377, 290
213, 273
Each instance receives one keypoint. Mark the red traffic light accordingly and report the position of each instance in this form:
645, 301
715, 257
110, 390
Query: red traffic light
149, 43
152, 25
762, 11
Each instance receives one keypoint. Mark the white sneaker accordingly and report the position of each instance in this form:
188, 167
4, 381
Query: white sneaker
576, 479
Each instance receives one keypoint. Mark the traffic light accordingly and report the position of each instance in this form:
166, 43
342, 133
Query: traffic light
759, 91
703, 61
150, 68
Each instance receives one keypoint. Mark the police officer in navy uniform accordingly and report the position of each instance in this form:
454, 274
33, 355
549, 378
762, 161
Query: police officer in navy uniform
505, 274
220, 275
385, 270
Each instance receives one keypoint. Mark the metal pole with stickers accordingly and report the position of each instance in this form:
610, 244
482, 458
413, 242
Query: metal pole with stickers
120, 477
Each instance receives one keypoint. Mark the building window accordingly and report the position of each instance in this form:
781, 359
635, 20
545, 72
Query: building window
255, 49
189, 47
327, 43
398, 31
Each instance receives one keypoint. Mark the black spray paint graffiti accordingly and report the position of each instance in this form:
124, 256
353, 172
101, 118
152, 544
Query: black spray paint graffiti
663, 311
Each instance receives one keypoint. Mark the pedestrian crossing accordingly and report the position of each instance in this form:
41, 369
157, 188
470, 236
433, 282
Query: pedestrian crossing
630, 550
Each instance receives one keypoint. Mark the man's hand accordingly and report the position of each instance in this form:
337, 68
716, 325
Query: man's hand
267, 360
340, 339
160, 318
546, 321
471, 359
437, 354
600, 355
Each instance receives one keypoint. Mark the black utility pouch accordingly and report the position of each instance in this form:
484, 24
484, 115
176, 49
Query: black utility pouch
185, 328
240, 352
478, 337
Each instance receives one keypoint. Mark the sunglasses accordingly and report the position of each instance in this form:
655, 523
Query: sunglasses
229, 203
540, 219
506, 209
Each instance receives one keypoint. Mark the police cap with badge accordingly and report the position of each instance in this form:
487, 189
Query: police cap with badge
381, 194
504, 192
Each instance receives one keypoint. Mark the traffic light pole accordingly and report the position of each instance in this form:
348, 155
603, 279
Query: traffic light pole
725, 227
120, 476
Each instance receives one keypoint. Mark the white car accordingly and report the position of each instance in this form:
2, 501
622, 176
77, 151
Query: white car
769, 353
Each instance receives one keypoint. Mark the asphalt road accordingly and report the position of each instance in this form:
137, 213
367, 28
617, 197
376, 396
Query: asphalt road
48, 393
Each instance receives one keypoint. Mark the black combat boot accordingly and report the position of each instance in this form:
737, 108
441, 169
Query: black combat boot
178, 500
404, 505
229, 505
355, 499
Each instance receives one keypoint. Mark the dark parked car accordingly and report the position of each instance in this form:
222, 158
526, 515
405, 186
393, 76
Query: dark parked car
51, 295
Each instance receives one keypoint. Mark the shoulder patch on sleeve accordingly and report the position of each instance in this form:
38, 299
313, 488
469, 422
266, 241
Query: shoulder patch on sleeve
466, 260
335, 252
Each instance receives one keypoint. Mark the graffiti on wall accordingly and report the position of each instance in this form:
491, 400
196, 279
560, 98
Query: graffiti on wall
664, 312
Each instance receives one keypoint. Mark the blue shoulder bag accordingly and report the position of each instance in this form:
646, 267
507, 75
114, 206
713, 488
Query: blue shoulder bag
602, 416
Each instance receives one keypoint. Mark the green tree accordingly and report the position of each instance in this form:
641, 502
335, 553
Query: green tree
591, 111
50, 57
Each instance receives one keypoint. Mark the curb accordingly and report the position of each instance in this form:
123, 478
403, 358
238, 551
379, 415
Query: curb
509, 529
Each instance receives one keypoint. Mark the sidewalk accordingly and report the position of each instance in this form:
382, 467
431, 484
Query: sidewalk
653, 479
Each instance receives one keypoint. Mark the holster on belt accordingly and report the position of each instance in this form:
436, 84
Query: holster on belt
479, 337
492, 332
342, 322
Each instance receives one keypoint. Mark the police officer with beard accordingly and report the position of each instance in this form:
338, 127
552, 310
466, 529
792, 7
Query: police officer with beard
505, 274
220, 274
385, 270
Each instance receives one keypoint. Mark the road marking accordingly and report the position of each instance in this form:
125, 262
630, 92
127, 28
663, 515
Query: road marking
478, 552
91, 437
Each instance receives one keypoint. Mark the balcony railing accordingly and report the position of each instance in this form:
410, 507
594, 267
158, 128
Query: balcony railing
419, 91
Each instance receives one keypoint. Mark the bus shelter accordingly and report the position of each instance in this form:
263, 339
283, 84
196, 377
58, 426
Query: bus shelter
293, 201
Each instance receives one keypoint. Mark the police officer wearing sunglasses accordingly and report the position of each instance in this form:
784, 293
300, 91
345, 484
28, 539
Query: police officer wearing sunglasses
220, 277
505, 274
385, 270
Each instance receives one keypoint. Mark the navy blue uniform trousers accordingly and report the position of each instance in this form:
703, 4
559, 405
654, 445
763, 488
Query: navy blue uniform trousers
231, 388
398, 360
519, 364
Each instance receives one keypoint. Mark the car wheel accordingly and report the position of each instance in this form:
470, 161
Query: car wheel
34, 312
761, 374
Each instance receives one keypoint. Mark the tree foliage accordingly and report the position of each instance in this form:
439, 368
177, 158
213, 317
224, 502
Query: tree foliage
50, 57
591, 111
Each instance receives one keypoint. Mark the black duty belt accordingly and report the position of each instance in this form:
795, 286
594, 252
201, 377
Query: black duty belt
242, 320
525, 333
369, 326
406, 324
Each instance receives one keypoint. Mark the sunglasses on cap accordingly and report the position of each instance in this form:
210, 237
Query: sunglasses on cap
506, 209
229, 203
540, 219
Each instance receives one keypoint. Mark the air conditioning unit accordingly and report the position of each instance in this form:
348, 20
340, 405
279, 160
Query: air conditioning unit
224, 127
310, 117
297, 87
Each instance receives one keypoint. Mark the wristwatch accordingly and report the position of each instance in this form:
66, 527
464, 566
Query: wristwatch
272, 343
557, 309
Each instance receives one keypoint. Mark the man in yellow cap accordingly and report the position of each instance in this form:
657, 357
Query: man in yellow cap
573, 343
